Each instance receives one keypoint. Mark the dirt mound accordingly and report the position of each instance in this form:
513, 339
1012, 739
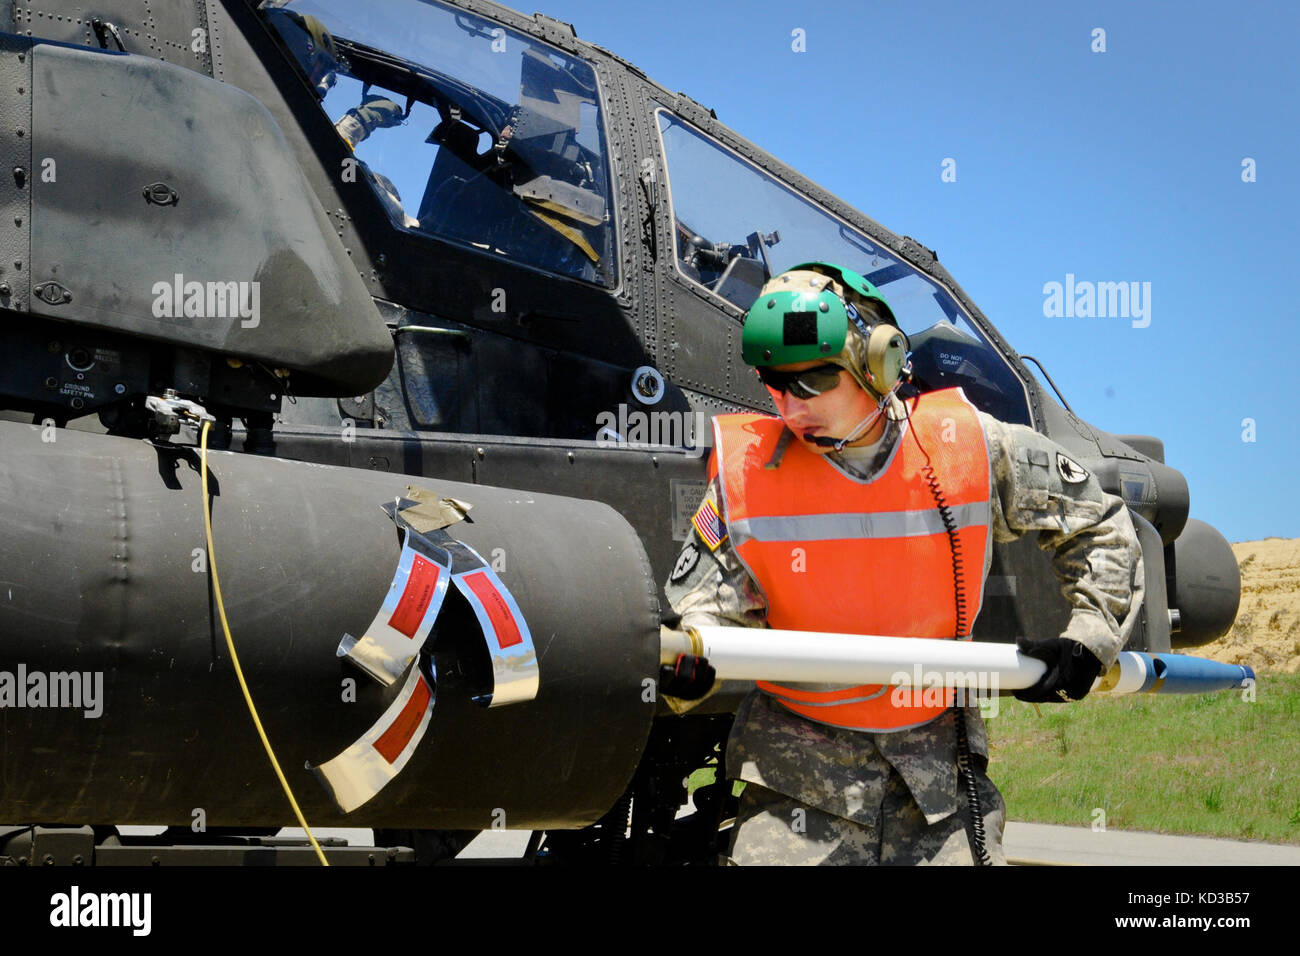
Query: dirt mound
1266, 633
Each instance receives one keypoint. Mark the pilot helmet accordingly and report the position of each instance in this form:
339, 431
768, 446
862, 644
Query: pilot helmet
312, 44
820, 311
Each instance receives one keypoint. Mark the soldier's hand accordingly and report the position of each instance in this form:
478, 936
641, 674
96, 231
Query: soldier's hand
1071, 669
689, 677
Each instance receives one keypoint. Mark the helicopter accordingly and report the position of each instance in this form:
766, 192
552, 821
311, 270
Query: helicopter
438, 298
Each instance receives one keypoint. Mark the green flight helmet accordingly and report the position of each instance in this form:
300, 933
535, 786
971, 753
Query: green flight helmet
820, 311
796, 318
855, 289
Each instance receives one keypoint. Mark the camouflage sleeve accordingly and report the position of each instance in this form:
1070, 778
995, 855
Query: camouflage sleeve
1095, 552
709, 585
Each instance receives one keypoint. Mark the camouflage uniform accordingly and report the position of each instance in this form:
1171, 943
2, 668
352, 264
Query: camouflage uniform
821, 794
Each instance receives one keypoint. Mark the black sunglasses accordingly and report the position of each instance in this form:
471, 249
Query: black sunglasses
806, 384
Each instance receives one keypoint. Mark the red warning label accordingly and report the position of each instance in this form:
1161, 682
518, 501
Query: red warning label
393, 741
420, 586
498, 612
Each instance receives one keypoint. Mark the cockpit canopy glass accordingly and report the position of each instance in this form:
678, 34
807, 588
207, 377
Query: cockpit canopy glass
736, 226
466, 130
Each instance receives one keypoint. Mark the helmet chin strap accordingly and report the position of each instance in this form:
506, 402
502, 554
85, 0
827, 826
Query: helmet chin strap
856, 432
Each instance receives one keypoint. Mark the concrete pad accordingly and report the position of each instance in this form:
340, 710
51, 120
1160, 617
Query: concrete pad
496, 845
1045, 843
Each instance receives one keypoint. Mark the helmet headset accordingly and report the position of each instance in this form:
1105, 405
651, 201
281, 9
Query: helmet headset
819, 311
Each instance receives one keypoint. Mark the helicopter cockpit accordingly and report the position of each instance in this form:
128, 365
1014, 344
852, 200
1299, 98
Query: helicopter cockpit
483, 136
465, 130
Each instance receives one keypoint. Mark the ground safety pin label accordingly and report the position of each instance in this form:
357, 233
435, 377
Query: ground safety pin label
406, 617
505, 632
366, 767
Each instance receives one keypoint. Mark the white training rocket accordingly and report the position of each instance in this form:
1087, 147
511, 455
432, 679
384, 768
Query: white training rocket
746, 653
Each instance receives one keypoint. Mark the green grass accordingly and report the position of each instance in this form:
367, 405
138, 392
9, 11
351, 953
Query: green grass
705, 776
1206, 764
1202, 764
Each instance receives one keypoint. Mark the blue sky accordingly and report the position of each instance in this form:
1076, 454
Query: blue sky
1123, 165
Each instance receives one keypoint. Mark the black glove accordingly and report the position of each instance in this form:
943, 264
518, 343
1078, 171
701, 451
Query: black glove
1071, 669
689, 678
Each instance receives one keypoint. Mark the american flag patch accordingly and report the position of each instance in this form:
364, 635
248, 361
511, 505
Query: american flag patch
708, 524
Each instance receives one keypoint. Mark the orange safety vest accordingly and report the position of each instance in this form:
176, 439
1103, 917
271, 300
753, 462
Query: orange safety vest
834, 553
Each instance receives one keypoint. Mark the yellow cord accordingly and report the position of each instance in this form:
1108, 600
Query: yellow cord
230, 643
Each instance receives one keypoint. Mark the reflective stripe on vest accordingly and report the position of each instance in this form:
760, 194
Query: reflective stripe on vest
896, 524
832, 553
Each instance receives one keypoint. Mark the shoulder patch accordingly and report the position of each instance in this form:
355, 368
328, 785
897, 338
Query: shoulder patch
1071, 471
686, 562
708, 523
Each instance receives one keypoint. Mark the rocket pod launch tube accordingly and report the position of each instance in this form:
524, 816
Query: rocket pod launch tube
102, 572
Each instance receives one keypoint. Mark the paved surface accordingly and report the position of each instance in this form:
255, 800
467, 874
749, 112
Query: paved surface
1025, 843
1042, 843
1039, 843
496, 844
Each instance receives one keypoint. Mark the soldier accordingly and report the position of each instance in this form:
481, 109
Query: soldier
859, 512
318, 55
